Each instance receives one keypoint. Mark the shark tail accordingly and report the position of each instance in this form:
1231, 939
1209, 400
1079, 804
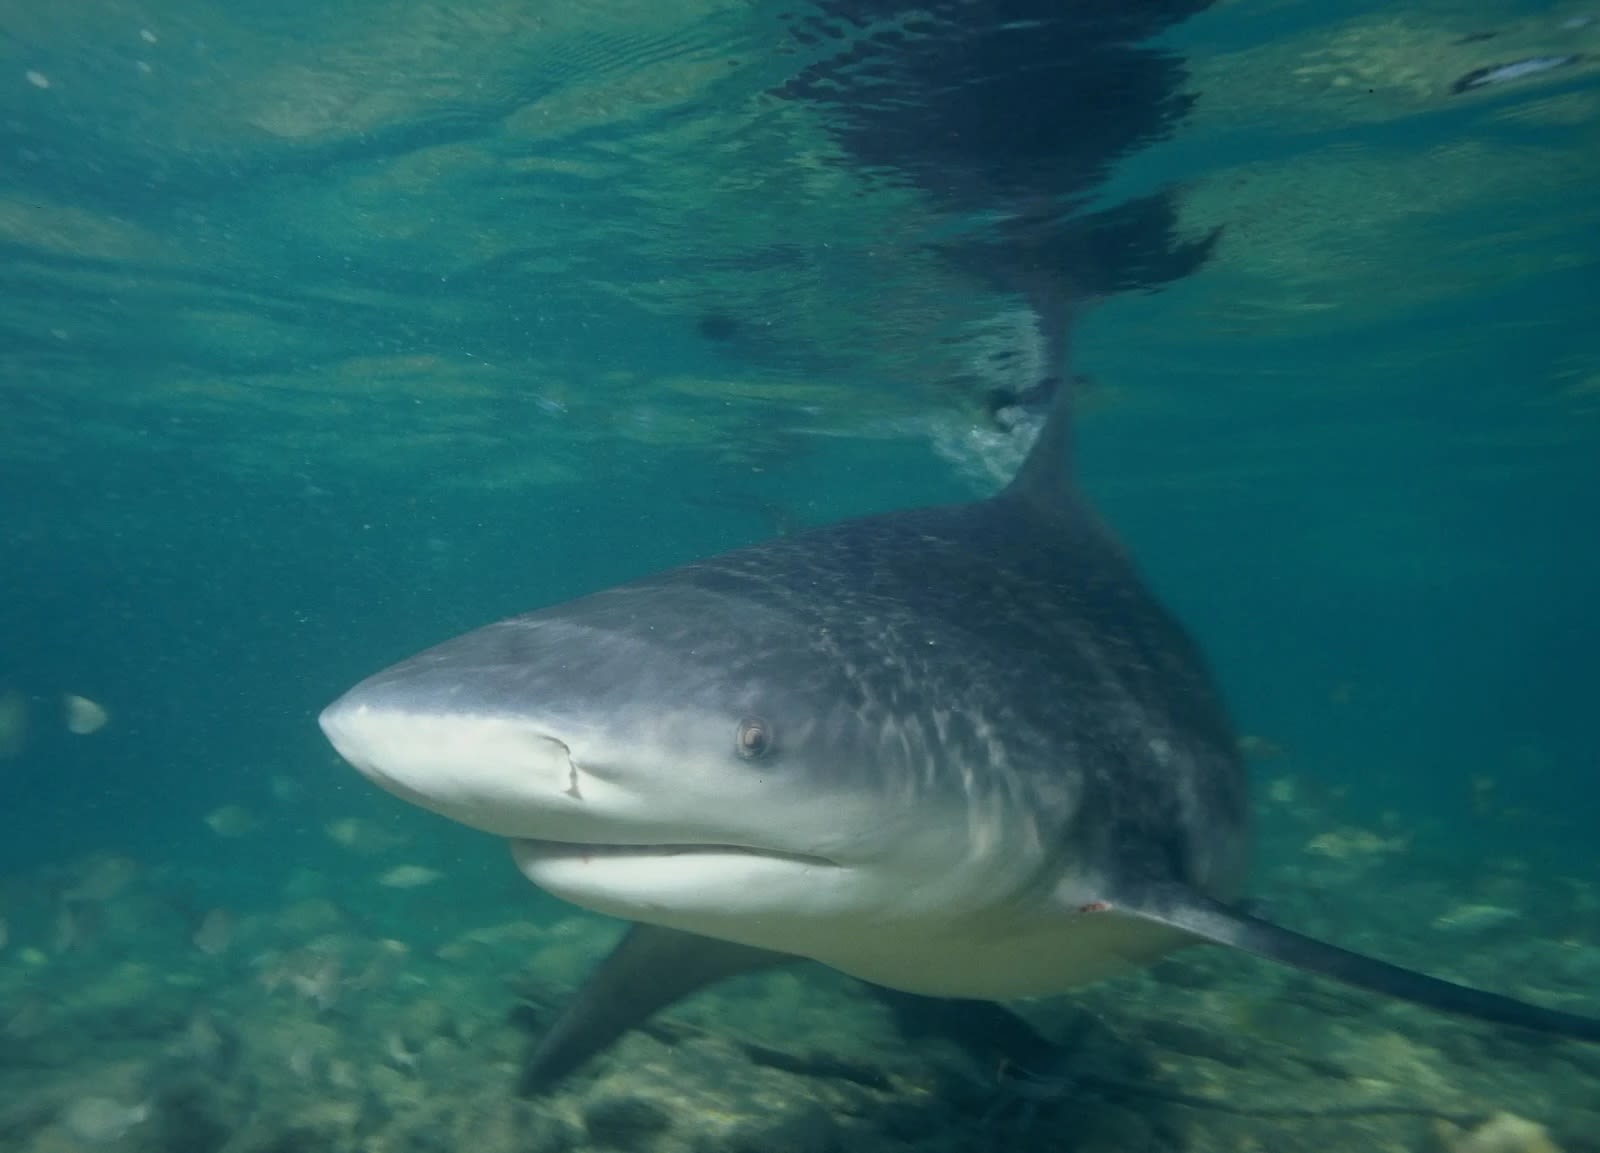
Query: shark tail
1181, 908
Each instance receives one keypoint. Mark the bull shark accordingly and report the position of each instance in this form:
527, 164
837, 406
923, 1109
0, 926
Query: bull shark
957, 751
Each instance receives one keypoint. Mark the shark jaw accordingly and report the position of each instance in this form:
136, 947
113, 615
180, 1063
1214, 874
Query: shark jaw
700, 886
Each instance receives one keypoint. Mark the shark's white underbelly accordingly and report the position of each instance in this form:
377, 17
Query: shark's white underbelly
958, 939
957, 961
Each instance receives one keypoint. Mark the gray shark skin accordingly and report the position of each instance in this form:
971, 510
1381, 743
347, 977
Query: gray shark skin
956, 751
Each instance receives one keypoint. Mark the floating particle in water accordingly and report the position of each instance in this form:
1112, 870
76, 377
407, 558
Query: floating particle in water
37, 79
409, 877
101, 1119
231, 821
13, 724
214, 935
82, 715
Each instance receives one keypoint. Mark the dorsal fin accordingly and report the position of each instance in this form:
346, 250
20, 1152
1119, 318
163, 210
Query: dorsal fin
1181, 908
1045, 478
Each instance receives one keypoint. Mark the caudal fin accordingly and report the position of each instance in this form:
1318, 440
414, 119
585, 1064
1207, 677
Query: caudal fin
1181, 908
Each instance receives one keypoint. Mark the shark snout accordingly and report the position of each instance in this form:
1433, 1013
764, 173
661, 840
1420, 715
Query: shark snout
334, 721
491, 771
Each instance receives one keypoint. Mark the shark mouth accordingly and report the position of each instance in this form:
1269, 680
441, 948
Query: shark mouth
529, 851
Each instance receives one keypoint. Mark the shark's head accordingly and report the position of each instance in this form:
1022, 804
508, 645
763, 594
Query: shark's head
671, 753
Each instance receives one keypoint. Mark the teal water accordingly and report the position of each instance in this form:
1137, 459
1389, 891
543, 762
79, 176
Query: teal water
328, 335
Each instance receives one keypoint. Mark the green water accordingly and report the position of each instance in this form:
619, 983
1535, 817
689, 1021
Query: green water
329, 333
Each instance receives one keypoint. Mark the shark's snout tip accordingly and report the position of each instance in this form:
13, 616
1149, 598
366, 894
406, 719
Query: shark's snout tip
349, 726
328, 719
334, 720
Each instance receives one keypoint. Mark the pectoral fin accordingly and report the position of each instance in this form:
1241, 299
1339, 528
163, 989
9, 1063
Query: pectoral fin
648, 970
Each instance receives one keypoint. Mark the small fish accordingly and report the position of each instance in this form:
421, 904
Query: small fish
1259, 748
1516, 70
272, 970
401, 1055
362, 836
1503, 1131
1349, 843
100, 1119
32, 1019
231, 821
303, 1062
1475, 918
214, 935
82, 715
386, 964
321, 984
1483, 795
206, 1041
69, 931
409, 877
13, 724
103, 878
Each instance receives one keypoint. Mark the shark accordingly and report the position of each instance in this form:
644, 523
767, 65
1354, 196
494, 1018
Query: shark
959, 751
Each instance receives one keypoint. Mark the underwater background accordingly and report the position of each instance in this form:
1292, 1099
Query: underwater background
330, 332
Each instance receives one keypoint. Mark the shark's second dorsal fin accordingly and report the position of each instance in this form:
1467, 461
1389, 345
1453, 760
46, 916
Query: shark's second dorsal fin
1181, 908
1045, 478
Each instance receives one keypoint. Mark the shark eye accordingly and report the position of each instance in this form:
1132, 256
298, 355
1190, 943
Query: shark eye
754, 740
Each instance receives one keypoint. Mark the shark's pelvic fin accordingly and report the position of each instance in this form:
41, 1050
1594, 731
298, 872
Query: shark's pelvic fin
1181, 908
648, 970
